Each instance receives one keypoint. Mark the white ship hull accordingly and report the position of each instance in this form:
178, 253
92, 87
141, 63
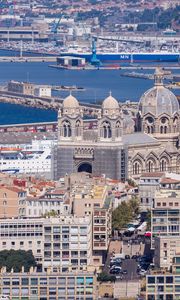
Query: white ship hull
34, 158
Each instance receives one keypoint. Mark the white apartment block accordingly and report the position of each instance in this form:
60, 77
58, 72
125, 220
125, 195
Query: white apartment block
63, 243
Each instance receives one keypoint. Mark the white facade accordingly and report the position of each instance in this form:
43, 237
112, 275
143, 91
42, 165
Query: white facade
37, 207
42, 91
27, 158
63, 243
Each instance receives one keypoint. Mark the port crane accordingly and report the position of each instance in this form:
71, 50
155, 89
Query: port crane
55, 25
94, 60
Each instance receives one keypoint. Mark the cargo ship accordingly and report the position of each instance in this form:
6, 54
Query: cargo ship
104, 58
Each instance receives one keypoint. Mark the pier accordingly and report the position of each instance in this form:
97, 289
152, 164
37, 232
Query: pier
28, 58
53, 103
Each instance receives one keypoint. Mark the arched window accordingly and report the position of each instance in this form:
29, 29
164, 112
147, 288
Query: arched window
137, 168
107, 133
118, 129
67, 129
164, 125
150, 166
163, 165
78, 129
175, 124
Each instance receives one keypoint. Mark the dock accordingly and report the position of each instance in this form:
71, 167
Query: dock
115, 67
28, 59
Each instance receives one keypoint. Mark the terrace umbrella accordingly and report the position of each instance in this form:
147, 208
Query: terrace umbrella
148, 234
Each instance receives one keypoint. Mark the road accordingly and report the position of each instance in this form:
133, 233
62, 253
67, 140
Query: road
131, 266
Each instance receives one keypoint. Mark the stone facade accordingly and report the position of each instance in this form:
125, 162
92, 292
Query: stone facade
120, 146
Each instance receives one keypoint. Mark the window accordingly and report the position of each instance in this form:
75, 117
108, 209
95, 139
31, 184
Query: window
34, 281
25, 281
169, 279
160, 279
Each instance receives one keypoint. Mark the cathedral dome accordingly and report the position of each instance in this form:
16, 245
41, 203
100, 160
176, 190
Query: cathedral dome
70, 102
110, 103
158, 100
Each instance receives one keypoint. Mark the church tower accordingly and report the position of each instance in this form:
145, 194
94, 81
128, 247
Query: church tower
110, 123
70, 120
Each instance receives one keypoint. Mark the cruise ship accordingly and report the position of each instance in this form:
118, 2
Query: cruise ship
34, 158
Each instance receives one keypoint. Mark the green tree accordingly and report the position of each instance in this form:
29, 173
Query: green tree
106, 277
16, 259
125, 213
148, 220
51, 213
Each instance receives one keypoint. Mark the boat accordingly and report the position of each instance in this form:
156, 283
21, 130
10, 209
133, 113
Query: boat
34, 158
135, 57
4, 297
169, 32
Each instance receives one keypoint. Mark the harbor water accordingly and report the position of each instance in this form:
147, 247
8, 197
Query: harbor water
97, 85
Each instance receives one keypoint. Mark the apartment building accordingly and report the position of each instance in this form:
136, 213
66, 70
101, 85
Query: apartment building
166, 213
63, 243
96, 201
23, 234
67, 243
164, 286
149, 183
12, 201
165, 249
88, 197
48, 286
53, 201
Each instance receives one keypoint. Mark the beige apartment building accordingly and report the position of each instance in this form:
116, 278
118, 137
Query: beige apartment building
12, 201
95, 201
166, 248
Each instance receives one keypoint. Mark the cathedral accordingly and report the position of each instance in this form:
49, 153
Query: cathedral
120, 146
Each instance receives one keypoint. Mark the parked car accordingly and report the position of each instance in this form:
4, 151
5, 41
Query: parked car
115, 271
127, 257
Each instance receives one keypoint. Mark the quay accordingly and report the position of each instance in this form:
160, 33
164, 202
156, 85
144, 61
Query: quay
115, 67
38, 127
28, 58
53, 103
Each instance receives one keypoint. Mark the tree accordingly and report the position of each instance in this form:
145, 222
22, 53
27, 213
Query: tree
148, 220
106, 277
121, 216
16, 259
51, 213
125, 213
